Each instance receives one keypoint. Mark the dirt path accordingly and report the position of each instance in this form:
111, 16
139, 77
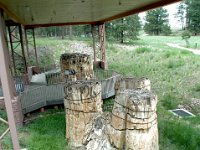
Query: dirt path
81, 47
195, 51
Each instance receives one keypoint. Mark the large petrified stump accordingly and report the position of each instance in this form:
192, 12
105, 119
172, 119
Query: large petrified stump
134, 121
82, 103
132, 83
76, 66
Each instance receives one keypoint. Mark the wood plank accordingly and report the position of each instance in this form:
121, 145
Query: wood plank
67, 12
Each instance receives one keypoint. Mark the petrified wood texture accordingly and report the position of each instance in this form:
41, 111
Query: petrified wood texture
132, 83
82, 103
76, 66
134, 120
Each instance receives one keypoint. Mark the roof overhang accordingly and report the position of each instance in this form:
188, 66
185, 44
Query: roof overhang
43, 13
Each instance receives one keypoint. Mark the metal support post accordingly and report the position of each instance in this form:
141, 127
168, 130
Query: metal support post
93, 39
16, 45
22, 47
6, 83
30, 41
102, 39
14, 72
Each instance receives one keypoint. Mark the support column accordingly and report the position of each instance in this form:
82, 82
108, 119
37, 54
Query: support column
27, 48
34, 44
100, 52
94, 45
12, 51
16, 44
102, 39
22, 47
6, 84
30, 41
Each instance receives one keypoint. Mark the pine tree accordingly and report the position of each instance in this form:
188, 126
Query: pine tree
157, 22
124, 29
181, 14
193, 17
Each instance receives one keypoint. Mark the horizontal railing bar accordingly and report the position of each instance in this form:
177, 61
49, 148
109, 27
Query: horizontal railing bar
4, 121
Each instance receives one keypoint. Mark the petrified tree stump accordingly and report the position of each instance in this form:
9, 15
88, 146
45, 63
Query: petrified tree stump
76, 66
134, 121
132, 83
82, 103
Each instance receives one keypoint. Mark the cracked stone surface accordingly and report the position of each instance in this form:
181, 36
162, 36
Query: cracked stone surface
96, 137
132, 124
132, 83
76, 66
82, 102
134, 120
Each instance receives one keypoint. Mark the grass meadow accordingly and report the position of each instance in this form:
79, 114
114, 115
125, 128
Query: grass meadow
174, 76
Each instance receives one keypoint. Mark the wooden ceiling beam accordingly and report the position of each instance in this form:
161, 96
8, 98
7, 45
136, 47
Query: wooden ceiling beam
60, 24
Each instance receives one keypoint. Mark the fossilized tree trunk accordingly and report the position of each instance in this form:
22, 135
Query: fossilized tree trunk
132, 83
82, 102
76, 66
134, 121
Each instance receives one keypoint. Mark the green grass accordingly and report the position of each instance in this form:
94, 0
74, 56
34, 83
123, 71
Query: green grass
47, 132
143, 50
160, 41
181, 134
197, 87
174, 76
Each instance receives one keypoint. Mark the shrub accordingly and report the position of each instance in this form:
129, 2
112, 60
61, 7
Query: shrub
143, 50
169, 54
185, 52
186, 36
175, 64
197, 87
169, 101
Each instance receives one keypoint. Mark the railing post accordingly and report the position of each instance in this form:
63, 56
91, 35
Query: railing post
6, 83
30, 41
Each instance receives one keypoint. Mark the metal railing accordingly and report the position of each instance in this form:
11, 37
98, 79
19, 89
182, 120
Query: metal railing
43, 95
53, 78
35, 98
20, 82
